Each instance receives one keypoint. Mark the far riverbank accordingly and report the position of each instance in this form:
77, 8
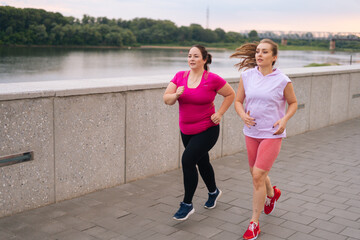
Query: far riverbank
217, 46
209, 46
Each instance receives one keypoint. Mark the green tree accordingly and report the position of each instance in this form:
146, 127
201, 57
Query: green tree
253, 35
128, 37
37, 26
87, 19
233, 37
104, 29
221, 34
39, 34
57, 34
113, 39
184, 34
90, 35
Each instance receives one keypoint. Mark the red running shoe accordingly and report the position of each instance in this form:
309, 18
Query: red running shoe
270, 202
252, 232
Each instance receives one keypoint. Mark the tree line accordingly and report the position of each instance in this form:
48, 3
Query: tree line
30, 26
38, 27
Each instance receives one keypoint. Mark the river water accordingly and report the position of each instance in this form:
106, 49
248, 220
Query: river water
49, 64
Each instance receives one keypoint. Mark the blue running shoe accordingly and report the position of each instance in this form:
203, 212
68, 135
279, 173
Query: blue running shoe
184, 211
211, 202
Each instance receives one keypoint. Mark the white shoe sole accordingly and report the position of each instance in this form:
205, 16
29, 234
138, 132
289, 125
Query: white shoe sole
253, 238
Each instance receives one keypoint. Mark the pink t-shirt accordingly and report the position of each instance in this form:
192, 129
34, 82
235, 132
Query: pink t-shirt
196, 105
264, 98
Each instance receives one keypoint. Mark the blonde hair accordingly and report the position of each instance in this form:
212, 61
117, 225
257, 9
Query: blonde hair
247, 51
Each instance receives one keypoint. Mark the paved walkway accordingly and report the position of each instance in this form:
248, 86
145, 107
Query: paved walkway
318, 173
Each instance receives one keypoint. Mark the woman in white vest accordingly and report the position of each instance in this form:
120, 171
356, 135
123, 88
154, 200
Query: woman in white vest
265, 90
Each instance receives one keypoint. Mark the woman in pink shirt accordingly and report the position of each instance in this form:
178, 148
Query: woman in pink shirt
195, 90
266, 91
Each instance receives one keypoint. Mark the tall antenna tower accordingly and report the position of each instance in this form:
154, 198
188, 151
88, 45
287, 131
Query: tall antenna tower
207, 17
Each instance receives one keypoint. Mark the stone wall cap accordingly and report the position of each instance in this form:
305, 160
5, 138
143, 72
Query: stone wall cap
62, 88
315, 71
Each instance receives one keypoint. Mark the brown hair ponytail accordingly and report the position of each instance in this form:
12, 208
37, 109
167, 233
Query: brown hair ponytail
247, 51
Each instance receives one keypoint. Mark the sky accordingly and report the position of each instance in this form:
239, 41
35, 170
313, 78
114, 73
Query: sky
231, 15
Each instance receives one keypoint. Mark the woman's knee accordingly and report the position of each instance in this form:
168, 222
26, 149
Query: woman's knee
187, 160
259, 178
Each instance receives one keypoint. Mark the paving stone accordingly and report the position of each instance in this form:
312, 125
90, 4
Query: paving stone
328, 235
212, 222
225, 235
30, 233
327, 185
181, 235
311, 192
317, 173
266, 236
335, 205
107, 235
199, 229
315, 214
50, 227
94, 231
164, 208
15, 238
345, 222
149, 233
271, 219
111, 223
5, 235
197, 217
350, 190
328, 226
295, 217
351, 232
354, 209
297, 226
12, 223
293, 202
225, 216
334, 182
307, 179
72, 234
292, 189
245, 204
121, 238
305, 198
289, 208
303, 236
345, 214
238, 211
134, 231
317, 207
333, 198
234, 228
277, 231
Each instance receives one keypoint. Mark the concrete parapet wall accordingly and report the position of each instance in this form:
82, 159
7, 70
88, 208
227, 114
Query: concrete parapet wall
109, 132
89, 143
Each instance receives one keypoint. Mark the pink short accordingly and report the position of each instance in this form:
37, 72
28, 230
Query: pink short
262, 152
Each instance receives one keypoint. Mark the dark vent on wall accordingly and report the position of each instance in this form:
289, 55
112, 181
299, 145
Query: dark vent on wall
16, 158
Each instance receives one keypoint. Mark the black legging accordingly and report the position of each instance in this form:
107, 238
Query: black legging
196, 153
